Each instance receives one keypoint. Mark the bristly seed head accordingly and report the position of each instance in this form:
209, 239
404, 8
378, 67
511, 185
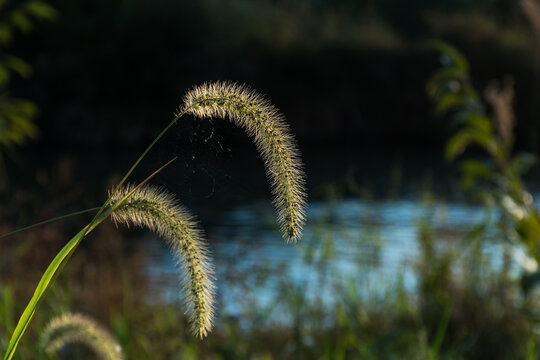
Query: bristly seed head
77, 328
158, 211
262, 121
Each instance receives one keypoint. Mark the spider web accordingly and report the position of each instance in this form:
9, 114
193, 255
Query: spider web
216, 162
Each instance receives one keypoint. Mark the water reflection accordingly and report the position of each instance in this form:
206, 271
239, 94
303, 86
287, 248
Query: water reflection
374, 243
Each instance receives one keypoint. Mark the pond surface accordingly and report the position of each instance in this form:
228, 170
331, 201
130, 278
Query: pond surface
366, 212
374, 240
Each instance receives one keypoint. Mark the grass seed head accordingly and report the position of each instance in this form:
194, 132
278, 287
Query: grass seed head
76, 328
158, 211
262, 122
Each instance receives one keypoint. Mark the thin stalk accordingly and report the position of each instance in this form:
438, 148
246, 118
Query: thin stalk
49, 221
117, 204
100, 209
160, 135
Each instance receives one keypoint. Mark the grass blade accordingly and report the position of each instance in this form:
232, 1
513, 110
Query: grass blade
49, 221
47, 280
58, 263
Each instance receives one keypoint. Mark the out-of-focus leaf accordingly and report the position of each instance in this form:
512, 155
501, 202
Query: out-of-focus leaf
21, 18
479, 121
472, 170
16, 121
6, 34
462, 103
521, 163
445, 80
460, 116
528, 229
450, 56
449, 102
41, 10
21, 21
341, 316
462, 139
4, 76
16, 64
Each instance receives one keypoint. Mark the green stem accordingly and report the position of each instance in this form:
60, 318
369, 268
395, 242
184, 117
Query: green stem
178, 116
49, 221
100, 209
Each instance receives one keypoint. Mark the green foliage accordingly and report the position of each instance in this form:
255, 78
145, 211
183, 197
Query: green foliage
497, 177
17, 115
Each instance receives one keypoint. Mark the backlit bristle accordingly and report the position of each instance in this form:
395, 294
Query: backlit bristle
262, 121
158, 211
76, 328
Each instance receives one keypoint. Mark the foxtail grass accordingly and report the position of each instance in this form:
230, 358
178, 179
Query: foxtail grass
158, 211
76, 328
152, 208
278, 149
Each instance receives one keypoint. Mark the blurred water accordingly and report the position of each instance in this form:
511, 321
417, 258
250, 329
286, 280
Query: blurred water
375, 242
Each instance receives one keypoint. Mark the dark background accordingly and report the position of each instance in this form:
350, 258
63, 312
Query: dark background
108, 75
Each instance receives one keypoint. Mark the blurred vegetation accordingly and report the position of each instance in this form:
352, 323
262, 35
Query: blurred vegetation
17, 115
496, 179
461, 307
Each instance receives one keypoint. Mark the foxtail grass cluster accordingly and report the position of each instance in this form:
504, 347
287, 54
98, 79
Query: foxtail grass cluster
158, 211
150, 207
76, 328
263, 122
